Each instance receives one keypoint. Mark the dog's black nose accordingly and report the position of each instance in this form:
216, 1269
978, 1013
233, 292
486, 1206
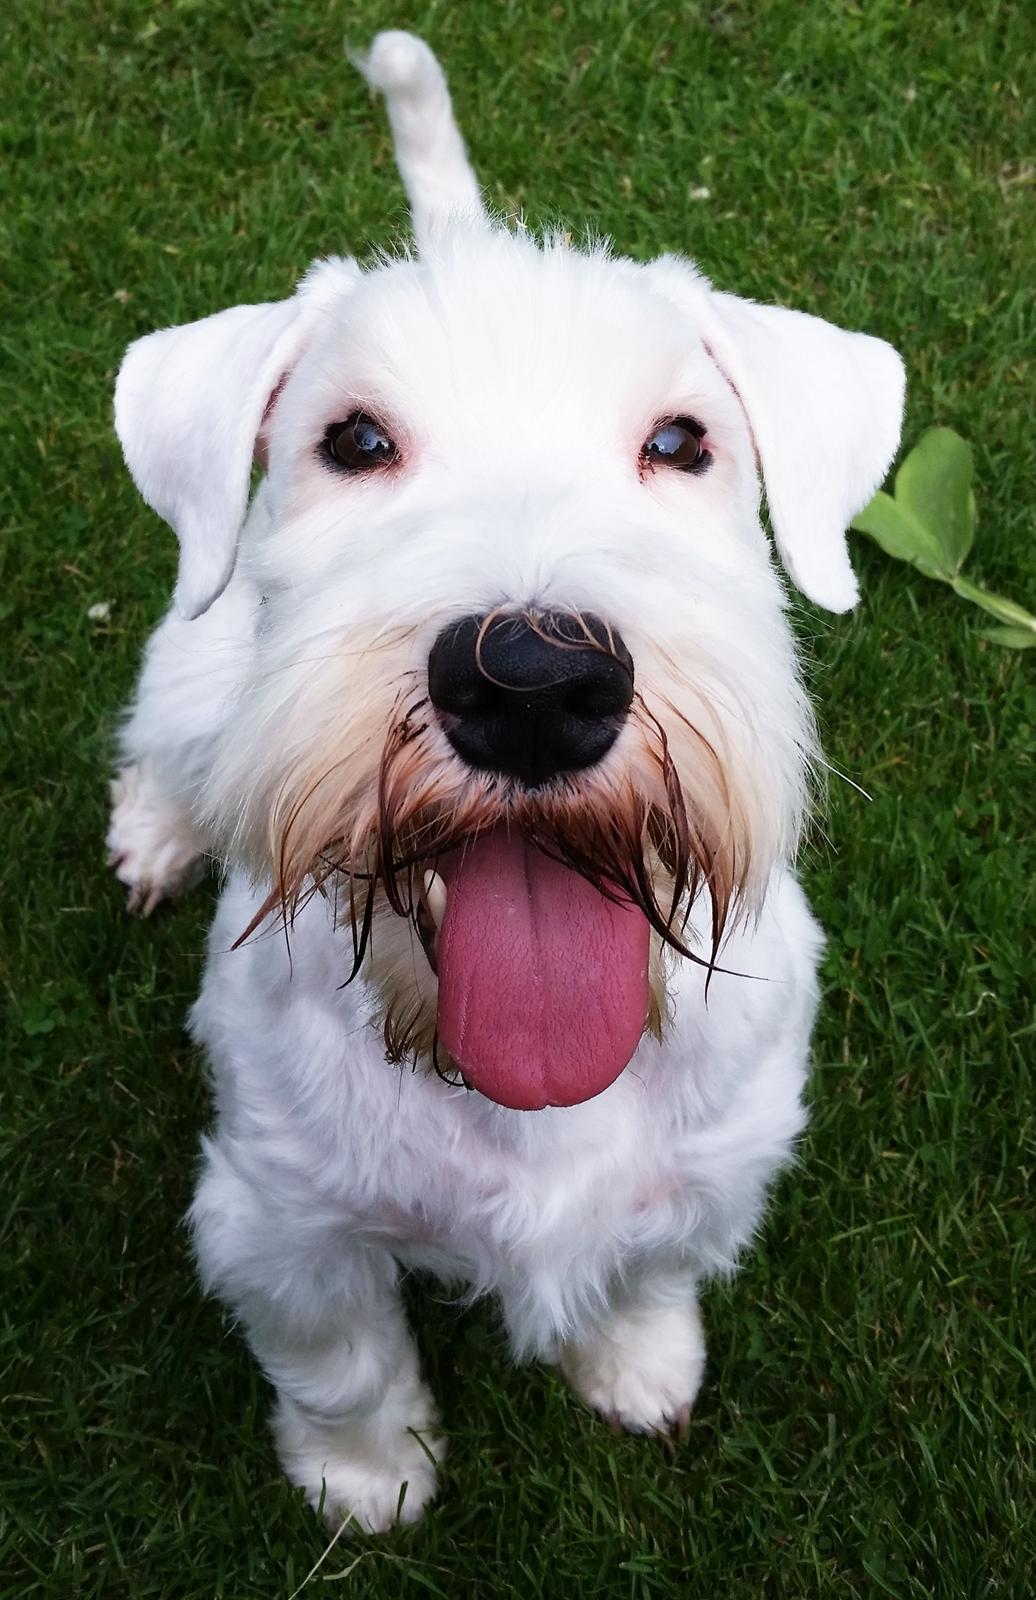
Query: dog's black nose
531, 696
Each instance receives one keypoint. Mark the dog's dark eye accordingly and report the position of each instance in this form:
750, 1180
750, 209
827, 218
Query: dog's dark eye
677, 443
358, 444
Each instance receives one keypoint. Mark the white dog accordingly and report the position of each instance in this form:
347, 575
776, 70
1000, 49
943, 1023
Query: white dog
498, 662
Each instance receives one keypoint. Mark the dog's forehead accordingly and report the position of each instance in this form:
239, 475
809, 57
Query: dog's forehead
493, 313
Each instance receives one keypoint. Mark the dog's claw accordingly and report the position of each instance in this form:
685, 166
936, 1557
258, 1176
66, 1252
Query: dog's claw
674, 1430
153, 897
143, 898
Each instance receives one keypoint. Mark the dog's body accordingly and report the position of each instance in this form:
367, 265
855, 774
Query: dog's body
511, 876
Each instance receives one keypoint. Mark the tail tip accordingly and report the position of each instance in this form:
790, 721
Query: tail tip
398, 63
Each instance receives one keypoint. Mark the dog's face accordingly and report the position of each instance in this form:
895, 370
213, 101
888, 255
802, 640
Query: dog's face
522, 686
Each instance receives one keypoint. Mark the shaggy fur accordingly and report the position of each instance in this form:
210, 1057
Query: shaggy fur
283, 724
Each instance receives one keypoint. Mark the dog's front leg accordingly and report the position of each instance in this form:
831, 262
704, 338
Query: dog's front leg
353, 1421
640, 1365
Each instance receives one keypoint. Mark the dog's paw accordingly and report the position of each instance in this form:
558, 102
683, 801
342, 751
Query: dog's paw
375, 1478
642, 1369
153, 847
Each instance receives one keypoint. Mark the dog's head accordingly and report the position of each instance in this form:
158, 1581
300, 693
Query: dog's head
522, 690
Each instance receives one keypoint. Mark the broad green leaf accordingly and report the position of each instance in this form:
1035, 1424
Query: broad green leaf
1004, 610
934, 485
930, 523
1013, 638
900, 534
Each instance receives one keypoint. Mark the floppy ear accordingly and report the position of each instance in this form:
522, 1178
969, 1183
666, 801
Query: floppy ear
190, 404
826, 409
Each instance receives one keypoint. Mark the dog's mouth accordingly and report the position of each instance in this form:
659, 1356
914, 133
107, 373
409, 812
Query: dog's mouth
543, 979
545, 914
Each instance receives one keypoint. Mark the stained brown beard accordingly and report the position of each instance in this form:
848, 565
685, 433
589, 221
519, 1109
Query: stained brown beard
629, 829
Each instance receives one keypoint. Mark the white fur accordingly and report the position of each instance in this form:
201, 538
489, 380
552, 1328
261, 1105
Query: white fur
520, 380
430, 152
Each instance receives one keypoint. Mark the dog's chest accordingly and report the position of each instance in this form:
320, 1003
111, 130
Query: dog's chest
492, 1199
471, 1188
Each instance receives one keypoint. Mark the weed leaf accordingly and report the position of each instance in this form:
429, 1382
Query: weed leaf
934, 485
901, 534
1013, 638
1002, 609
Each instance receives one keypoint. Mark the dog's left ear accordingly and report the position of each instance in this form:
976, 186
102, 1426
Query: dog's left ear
190, 407
825, 407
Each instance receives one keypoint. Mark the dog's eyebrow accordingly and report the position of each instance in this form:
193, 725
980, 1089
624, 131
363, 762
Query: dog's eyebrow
736, 392
429, 149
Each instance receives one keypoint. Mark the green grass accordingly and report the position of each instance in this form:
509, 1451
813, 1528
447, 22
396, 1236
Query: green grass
868, 1420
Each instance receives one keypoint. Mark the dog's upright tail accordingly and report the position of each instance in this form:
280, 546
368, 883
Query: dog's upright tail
430, 153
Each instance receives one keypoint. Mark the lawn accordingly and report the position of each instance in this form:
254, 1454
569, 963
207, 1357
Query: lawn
867, 1425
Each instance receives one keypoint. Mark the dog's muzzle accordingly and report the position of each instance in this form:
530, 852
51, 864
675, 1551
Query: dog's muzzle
531, 695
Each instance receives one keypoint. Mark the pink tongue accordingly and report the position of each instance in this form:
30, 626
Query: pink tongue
543, 983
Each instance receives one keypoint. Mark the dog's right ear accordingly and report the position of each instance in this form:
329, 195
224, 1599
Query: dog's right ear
190, 406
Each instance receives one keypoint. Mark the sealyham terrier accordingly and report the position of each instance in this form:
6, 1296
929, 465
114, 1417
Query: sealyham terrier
489, 702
